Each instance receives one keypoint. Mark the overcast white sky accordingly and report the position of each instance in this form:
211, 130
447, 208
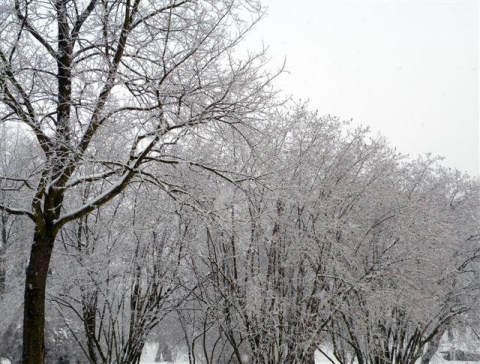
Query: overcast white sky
408, 69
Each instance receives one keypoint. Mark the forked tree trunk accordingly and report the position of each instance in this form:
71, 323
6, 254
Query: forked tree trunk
34, 299
163, 352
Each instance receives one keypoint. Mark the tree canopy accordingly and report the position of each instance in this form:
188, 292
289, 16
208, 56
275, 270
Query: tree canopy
152, 176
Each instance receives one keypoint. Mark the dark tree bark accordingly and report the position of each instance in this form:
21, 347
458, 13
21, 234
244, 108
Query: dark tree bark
34, 299
89, 306
3, 246
432, 348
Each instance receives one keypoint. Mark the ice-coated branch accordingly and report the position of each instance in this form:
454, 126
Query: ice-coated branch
90, 178
78, 24
28, 116
16, 211
31, 29
158, 11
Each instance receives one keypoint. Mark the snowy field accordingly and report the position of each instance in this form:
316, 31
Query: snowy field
150, 350
148, 357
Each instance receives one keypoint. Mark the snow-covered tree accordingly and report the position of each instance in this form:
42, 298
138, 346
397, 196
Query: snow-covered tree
128, 77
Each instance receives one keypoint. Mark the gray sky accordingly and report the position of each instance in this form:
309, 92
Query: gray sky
408, 69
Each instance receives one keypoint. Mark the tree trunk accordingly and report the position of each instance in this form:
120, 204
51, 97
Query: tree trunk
3, 248
89, 306
163, 352
432, 348
34, 301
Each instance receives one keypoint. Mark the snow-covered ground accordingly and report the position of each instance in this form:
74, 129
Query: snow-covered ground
148, 357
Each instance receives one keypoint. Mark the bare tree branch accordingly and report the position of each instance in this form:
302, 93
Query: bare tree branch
33, 31
16, 211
